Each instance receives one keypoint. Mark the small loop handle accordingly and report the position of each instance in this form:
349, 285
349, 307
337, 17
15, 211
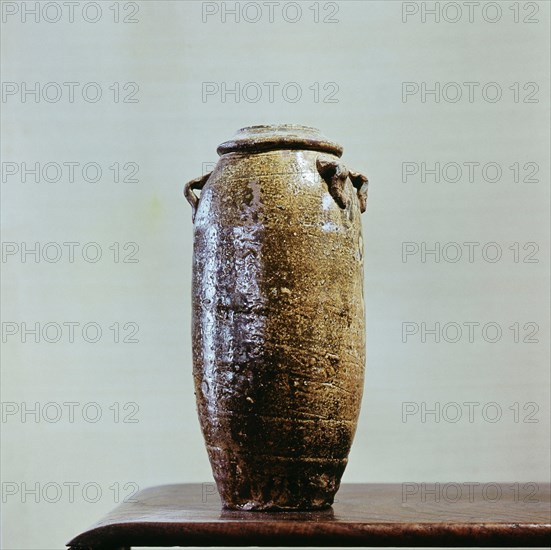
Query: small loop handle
360, 183
335, 175
192, 198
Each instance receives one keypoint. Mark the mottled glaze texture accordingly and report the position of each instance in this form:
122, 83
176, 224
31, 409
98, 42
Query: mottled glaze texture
278, 317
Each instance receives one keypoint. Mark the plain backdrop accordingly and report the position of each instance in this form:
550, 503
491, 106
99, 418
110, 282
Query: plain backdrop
99, 402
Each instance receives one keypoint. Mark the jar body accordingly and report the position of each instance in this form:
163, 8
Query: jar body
278, 329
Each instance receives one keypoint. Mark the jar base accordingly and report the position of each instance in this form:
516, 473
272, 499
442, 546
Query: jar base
268, 483
273, 507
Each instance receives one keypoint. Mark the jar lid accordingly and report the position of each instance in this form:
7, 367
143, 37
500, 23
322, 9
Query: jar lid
254, 139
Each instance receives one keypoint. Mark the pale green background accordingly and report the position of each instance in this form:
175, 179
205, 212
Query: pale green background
170, 133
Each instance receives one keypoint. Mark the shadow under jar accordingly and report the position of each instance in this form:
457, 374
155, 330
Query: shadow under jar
278, 326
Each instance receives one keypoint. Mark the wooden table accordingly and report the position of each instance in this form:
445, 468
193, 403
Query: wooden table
363, 515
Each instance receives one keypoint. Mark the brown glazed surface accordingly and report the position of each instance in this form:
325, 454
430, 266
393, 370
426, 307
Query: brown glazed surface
278, 317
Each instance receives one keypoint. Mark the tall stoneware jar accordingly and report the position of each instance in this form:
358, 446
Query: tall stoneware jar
278, 326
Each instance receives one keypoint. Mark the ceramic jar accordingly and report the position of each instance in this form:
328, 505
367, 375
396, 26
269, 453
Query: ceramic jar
278, 326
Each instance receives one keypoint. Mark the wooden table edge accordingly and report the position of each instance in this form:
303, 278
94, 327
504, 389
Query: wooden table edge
127, 534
